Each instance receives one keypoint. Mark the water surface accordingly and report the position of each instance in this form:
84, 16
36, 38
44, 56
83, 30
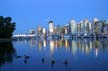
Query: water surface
54, 55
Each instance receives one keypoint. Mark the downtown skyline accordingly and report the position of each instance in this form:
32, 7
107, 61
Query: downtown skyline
30, 14
72, 27
84, 26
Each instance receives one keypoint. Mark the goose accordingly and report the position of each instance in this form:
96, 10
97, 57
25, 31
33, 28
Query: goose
25, 61
27, 57
52, 62
66, 62
17, 57
43, 60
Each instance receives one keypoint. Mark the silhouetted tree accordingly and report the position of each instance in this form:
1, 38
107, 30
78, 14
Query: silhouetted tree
7, 27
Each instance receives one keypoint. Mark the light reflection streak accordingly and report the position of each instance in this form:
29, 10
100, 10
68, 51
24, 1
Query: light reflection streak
51, 46
74, 46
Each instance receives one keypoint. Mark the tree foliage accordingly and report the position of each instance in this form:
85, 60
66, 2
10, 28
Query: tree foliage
7, 27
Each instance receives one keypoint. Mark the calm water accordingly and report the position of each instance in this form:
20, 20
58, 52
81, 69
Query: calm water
54, 55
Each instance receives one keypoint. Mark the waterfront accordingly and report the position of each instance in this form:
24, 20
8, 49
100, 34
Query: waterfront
55, 55
58, 37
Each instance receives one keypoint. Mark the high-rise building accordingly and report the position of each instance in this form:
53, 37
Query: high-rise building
66, 29
39, 30
31, 31
103, 26
55, 30
82, 26
95, 20
58, 29
73, 26
106, 27
86, 25
79, 28
90, 27
43, 31
51, 27
95, 25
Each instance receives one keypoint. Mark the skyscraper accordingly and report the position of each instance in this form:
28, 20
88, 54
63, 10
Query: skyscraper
66, 29
82, 26
58, 29
39, 30
90, 27
73, 26
31, 31
86, 25
107, 27
95, 25
51, 27
79, 28
44, 33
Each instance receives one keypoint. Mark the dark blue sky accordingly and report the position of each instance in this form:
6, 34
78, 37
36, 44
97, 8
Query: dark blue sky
30, 13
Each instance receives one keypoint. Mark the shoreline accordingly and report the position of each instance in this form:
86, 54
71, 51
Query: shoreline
5, 40
58, 37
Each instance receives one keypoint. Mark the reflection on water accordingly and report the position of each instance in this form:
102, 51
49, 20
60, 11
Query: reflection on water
32, 43
7, 53
51, 46
85, 46
73, 45
44, 43
65, 55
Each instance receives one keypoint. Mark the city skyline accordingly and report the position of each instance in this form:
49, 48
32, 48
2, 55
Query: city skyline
30, 14
53, 35
73, 27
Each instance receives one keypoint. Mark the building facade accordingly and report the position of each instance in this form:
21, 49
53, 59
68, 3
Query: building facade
51, 27
73, 27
